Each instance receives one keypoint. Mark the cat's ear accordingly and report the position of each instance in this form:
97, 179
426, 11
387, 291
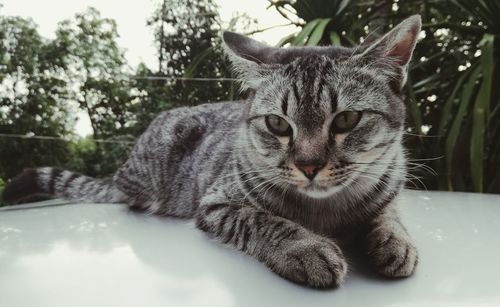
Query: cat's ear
394, 49
251, 60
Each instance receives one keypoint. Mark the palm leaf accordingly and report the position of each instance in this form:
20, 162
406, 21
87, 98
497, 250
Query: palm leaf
480, 114
301, 38
446, 111
285, 40
486, 11
415, 114
318, 32
304, 10
342, 6
456, 126
335, 38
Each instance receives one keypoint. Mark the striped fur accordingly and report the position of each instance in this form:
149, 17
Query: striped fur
52, 181
220, 164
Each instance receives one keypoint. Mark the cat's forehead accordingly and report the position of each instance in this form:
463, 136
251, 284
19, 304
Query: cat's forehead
318, 82
308, 66
325, 67
306, 94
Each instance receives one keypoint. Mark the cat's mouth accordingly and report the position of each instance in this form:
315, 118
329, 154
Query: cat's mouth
314, 190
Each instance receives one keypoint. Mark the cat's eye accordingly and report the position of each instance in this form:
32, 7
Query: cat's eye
278, 125
346, 121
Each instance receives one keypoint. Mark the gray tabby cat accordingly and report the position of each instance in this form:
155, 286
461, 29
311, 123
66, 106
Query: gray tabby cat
312, 157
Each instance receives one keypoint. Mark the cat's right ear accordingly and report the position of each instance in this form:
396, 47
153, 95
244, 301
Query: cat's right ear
251, 60
394, 49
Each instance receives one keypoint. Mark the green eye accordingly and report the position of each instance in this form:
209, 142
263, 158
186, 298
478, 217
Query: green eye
346, 121
278, 125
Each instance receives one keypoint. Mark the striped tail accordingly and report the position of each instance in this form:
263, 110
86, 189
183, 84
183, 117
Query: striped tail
56, 182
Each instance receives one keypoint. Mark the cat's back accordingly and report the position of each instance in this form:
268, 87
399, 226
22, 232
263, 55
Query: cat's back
208, 116
191, 125
181, 154
227, 110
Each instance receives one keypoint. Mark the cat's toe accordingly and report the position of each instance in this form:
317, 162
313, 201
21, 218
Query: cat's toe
393, 255
315, 263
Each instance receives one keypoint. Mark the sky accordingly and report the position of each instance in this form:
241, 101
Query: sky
131, 15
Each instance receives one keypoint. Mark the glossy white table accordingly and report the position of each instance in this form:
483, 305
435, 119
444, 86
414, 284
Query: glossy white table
103, 255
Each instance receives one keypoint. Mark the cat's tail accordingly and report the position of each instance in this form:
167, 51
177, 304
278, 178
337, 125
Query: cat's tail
56, 182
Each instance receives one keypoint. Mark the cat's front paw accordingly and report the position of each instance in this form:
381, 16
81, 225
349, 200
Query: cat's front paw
393, 254
314, 262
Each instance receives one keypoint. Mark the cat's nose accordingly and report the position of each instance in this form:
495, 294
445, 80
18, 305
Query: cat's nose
310, 168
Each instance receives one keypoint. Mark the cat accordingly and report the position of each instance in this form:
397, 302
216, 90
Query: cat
314, 154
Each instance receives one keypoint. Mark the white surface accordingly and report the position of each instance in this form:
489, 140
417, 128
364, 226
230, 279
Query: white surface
103, 255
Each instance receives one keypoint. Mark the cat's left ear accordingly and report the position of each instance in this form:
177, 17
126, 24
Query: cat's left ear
251, 60
394, 49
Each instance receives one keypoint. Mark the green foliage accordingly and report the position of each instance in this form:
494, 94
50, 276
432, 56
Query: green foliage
43, 84
32, 98
99, 160
453, 107
188, 42
326, 22
469, 142
98, 71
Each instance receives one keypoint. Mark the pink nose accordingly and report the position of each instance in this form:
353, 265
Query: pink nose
309, 170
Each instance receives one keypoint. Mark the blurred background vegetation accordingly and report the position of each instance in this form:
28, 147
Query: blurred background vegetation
453, 134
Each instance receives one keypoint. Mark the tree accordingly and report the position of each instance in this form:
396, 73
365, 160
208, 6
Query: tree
97, 66
98, 72
187, 34
151, 96
31, 98
44, 82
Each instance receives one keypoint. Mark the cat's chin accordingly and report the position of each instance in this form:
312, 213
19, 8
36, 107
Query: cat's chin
315, 191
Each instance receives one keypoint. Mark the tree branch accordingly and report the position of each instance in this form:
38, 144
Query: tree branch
269, 28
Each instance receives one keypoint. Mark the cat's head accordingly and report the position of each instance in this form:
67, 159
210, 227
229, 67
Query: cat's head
319, 116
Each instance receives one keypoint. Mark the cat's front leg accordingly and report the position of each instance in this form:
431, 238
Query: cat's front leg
287, 248
389, 246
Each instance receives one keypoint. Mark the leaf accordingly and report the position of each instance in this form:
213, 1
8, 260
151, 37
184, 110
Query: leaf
493, 114
285, 40
334, 38
445, 113
301, 38
343, 5
456, 126
415, 114
486, 11
318, 32
426, 81
305, 10
434, 56
480, 114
